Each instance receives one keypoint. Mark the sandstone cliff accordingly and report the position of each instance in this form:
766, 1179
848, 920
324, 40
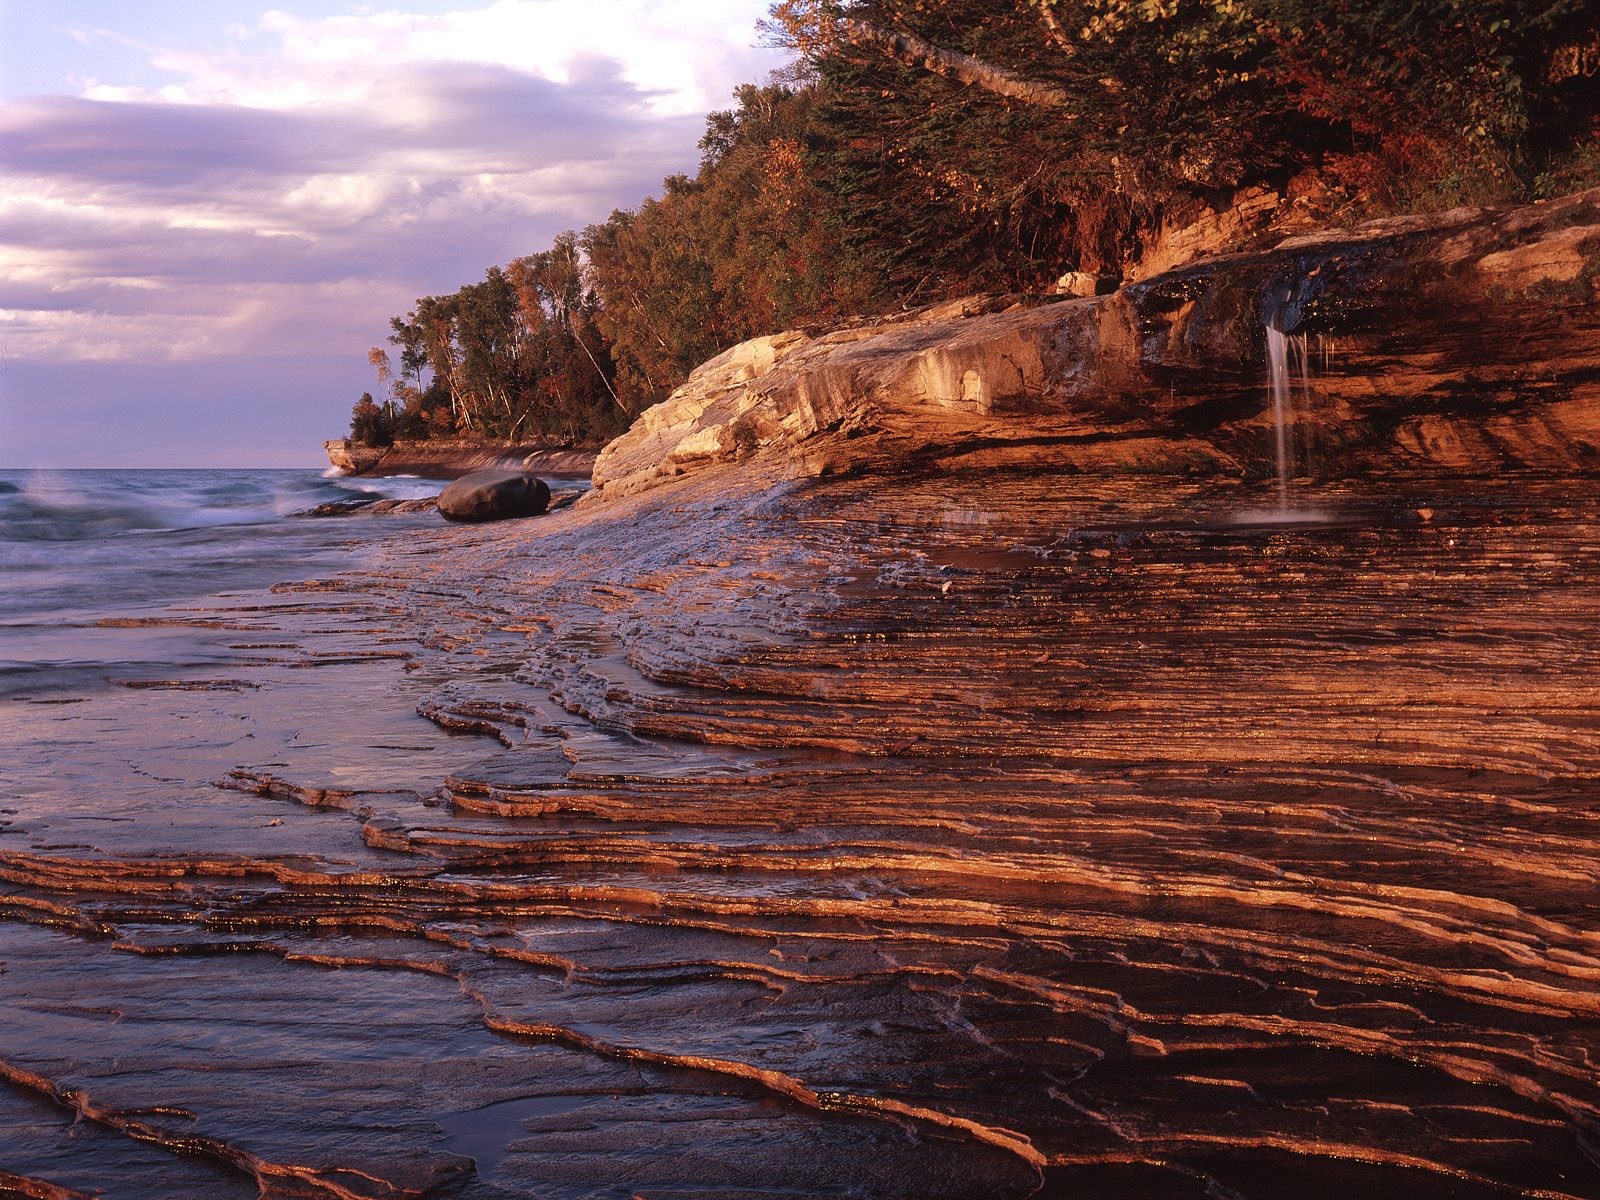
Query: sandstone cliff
438, 459
1465, 341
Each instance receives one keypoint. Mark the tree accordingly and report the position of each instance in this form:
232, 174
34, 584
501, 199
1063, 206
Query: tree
742, 249
818, 26
558, 311
370, 424
1007, 138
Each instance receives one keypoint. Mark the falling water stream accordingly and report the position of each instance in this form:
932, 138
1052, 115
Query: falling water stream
1294, 434
1278, 381
1288, 372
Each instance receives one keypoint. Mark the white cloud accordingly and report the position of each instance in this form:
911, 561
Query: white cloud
685, 57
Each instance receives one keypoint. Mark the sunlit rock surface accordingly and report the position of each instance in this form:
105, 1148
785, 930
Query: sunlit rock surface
993, 826
1467, 341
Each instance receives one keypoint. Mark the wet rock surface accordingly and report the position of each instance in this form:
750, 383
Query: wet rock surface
446, 458
350, 508
1018, 834
346, 508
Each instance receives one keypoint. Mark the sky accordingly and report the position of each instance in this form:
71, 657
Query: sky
210, 209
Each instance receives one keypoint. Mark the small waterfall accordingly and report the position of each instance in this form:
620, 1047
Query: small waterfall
1288, 372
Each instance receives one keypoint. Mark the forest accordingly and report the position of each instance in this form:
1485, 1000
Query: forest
918, 150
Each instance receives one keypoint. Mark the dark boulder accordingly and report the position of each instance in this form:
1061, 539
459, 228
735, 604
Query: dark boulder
494, 496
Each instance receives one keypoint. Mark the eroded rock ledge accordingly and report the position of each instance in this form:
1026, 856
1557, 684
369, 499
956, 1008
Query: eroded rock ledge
439, 459
1465, 341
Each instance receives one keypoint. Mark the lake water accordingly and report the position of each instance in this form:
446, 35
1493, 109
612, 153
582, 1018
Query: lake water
78, 548
78, 542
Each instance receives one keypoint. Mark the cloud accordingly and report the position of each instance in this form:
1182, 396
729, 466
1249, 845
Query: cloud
445, 171
428, 121
286, 191
684, 56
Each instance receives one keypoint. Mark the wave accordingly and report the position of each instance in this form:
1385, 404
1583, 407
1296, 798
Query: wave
31, 518
69, 506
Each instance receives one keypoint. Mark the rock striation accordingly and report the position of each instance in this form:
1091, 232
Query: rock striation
345, 508
1466, 341
971, 834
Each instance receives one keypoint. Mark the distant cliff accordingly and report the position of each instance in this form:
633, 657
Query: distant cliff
449, 459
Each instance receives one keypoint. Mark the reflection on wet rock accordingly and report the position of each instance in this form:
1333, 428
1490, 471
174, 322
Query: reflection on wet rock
1026, 835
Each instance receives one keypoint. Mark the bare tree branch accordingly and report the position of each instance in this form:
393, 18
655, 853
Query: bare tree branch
1052, 27
952, 64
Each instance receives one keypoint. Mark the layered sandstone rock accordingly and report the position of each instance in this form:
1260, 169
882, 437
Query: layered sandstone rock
1190, 233
1468, 340
929, 831
979, 834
